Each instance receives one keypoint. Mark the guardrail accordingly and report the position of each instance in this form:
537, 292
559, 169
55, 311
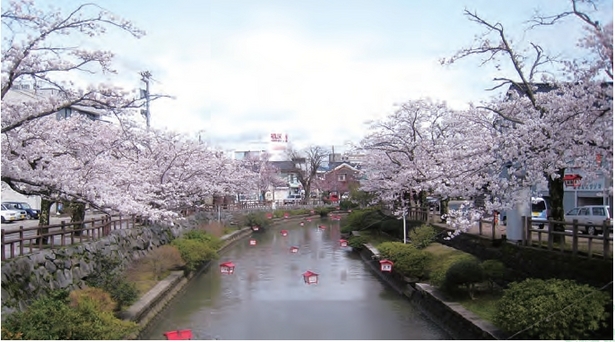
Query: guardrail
570, 239
22, 241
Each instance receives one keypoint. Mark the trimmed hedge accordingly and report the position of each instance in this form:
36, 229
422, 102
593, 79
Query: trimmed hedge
408, 260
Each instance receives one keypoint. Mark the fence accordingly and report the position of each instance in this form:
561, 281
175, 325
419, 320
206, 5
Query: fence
17, 242
569, 239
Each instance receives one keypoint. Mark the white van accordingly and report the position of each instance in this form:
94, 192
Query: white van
540, 211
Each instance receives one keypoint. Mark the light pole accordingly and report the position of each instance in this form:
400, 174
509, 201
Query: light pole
145, 76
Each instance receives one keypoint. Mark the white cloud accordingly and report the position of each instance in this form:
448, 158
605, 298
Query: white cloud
285, 81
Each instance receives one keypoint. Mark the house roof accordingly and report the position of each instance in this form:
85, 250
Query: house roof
338, 165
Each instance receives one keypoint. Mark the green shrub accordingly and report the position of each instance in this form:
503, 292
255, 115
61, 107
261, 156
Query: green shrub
194, 252
364, 219
441, 265
408, 260
346, 204
259, 219
202, 236
422, 236
53, 318
553, 309
107, 276
494, 270
357, 242
464, 273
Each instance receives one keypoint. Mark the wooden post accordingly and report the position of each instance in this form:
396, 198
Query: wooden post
550, 236
480, 227
20, 241
606, 250
575, 237
2, 238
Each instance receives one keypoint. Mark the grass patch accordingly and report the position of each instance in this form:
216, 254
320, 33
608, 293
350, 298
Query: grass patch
484, 305
142, 277
375, 239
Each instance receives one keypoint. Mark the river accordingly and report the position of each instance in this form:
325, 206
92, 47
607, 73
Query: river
266, 297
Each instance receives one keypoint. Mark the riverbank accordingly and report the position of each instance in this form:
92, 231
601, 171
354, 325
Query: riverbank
450, 316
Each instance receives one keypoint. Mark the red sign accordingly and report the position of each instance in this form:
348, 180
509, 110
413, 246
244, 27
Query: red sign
284, 232
178, 334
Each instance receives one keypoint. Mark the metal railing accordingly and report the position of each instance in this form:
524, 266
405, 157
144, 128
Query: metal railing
22, 241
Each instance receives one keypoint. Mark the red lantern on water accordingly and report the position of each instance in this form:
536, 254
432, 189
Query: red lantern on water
311, 212
309, 219
322, 227
310, 277
185, 334
269, 216
343, 243
255, 228
301, 223
286, 215
227, 268
386, 265
252, 242
284, 232
294, 249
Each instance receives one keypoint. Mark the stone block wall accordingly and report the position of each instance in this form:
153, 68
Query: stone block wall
27, 277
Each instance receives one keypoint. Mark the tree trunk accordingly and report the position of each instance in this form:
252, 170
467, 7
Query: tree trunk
77, 214
43, 220
556, 199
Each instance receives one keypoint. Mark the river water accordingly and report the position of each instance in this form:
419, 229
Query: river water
266, 297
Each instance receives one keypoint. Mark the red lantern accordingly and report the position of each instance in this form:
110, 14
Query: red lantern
311, 212
284, 232
343, 243
269, 216
252, 242
227, 267
337, 208
386, 265
301, 223
349, 210
309, 219
310, 277
286, 215
322, 226
255, 228
294, 249
178, 334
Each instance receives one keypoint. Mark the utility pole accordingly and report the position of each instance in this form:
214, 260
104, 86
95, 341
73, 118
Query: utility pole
145, 76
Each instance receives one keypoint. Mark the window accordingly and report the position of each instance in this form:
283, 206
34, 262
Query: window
584, 211
598, 211
341, 178
574, 211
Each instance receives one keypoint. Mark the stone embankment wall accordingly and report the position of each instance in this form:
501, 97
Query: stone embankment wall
30, 276
451, 317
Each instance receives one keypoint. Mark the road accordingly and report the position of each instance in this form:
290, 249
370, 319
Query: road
53, 220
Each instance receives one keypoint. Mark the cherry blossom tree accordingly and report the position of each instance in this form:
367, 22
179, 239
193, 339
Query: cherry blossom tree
548, 124
268, 176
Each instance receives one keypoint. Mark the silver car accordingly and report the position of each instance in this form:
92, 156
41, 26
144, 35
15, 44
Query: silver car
593, 216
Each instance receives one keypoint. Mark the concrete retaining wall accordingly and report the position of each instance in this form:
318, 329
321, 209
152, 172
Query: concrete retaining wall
451, 317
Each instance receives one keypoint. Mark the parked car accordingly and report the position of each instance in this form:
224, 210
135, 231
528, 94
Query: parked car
293, 199
540, 211
9, 215
23, 206
593, 216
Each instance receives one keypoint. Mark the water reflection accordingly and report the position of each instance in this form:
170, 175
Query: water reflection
266, 297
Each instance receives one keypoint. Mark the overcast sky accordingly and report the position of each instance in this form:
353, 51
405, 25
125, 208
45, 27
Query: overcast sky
316, 70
